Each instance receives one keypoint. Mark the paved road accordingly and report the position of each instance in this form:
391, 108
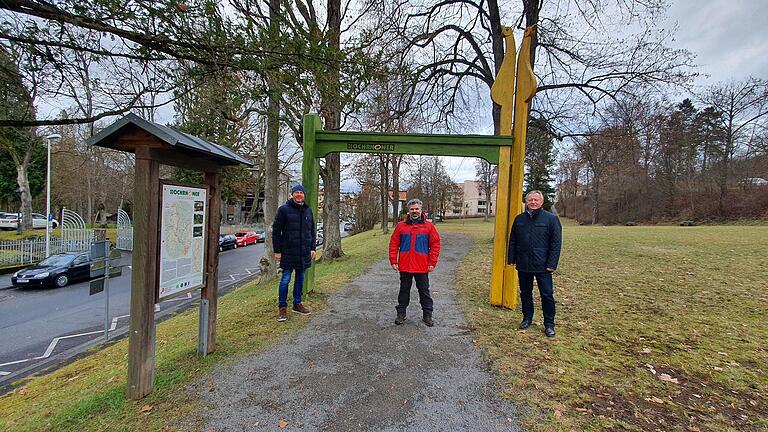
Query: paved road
351, 368
36, 323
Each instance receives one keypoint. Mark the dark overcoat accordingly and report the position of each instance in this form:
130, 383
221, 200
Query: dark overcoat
293, 235
535, 240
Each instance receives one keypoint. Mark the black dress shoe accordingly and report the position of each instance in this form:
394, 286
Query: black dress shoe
428, 320
549, 331
525, 323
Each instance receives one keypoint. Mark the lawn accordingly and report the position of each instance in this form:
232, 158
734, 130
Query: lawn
659, 328
89, 394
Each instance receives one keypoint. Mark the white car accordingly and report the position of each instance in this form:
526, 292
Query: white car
10, 221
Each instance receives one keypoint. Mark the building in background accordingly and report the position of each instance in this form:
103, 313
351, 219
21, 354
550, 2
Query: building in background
475, 202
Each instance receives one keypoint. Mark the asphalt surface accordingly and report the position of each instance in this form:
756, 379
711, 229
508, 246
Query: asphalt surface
353, 369
37, 323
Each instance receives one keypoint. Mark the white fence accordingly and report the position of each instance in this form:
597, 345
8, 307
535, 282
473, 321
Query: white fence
20, 252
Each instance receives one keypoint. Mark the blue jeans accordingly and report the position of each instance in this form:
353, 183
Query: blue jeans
298, 284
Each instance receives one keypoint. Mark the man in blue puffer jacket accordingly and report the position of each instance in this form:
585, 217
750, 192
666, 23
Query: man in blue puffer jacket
534, 250
293, 241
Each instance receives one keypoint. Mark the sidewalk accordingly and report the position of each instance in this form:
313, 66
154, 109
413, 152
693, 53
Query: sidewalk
353, 369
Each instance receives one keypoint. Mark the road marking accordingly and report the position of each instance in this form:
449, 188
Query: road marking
4, 373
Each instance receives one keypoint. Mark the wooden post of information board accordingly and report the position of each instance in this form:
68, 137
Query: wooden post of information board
206, 342
141, 341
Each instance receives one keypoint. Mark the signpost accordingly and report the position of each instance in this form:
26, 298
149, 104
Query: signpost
165, 218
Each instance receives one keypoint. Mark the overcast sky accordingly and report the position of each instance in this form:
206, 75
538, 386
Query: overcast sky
728, 37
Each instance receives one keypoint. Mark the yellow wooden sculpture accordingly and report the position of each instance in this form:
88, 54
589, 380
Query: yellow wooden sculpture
509, 194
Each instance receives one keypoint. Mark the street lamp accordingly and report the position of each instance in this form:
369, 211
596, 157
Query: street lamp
49, 138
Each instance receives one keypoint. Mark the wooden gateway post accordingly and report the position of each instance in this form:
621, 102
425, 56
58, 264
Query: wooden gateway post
156, 145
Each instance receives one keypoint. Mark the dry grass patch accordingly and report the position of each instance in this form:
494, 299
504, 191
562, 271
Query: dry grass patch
659, 328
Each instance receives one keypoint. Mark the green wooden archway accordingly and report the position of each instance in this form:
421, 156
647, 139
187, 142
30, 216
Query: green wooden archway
318, 143
513, 90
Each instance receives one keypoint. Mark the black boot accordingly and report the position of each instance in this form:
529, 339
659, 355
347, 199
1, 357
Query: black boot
400, 318
428, 320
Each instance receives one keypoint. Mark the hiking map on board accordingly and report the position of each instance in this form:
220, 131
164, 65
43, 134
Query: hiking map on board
182, 239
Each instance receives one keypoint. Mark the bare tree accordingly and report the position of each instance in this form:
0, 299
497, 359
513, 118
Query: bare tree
487, 176
742, 105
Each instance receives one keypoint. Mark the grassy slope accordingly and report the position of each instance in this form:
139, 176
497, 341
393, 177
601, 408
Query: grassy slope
685, 302
89, 394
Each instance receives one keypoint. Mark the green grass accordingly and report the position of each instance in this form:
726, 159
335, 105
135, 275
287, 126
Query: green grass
687, 302
89, 394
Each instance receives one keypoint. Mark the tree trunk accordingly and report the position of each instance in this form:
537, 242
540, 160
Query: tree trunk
331, 112
383, 169
271, 162
595, 200
22, 178
396, 159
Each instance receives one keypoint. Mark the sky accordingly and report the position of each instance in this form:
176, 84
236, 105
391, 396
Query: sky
728, 37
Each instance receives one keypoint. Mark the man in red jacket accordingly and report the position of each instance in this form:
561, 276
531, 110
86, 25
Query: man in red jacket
413, 251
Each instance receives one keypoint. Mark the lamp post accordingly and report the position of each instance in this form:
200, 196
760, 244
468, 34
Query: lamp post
49, 138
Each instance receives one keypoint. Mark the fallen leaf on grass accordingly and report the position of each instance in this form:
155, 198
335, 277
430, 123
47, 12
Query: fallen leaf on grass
560, 370
650, 368
558, 414
717, 368
646, 351
111, 380
655, 400
282, 424
74, 378
146, 409
722, 353
23, 392
668, 378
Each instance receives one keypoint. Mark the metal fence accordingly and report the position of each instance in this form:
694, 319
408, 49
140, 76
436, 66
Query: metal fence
20, 252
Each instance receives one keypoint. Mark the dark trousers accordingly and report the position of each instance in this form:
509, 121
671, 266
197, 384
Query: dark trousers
422, 284
546, 290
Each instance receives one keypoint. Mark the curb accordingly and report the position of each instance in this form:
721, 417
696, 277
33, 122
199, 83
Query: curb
63, 358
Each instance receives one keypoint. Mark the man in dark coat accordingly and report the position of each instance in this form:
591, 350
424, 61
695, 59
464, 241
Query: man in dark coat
293, 241
534, 250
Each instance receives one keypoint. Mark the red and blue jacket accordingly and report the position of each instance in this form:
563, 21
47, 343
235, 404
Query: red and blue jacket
414, 245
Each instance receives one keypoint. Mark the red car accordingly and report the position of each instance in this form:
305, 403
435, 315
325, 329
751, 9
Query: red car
246, 238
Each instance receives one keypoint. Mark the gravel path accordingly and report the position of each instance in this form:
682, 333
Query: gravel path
353, 369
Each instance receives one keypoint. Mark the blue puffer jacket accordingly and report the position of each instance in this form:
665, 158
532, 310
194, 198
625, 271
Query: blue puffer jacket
293, 235
535, 240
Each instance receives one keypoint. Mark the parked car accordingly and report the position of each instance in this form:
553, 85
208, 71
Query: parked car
261, 236
246, 238
349, 226
227, 241
319, 239
10, 221
56, 270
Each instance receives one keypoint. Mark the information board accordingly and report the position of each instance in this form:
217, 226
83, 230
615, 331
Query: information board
182, 239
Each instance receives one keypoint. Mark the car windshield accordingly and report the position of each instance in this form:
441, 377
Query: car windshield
259, 231
240, 234
57, 260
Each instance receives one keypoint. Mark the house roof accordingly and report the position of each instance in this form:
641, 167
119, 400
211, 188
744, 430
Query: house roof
109, 137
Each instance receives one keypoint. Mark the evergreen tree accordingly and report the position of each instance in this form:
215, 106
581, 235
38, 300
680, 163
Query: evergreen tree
539, 160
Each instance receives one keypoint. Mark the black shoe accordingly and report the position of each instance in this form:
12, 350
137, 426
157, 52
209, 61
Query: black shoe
400, 319
525, 323
428, 320
549, 331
